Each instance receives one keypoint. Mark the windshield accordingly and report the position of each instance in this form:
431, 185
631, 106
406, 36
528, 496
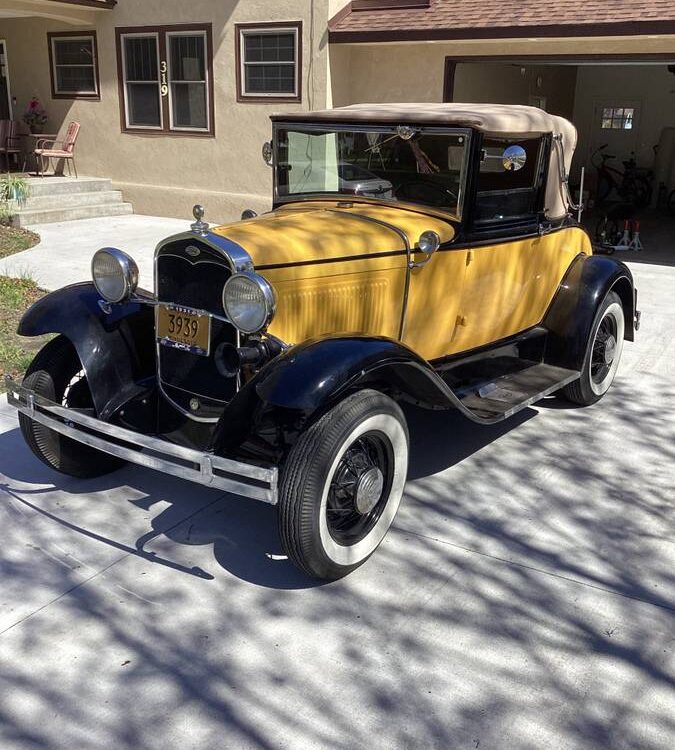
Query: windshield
425, 166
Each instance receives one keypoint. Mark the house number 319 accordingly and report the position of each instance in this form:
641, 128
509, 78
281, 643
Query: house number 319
162, 69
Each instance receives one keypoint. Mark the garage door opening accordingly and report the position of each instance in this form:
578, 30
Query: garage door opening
624, 111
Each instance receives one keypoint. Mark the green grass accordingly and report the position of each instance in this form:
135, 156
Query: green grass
14, 240
16, 352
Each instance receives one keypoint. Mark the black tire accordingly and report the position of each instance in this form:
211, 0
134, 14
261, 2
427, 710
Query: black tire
56, 374
342, 483
603, 352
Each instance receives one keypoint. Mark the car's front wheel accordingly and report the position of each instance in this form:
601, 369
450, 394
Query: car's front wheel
342, 483
56, 374
603, 352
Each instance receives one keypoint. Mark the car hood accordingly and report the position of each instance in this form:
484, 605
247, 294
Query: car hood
318, 231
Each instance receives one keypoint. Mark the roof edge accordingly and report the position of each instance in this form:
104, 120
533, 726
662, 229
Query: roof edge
100, 4
613, 28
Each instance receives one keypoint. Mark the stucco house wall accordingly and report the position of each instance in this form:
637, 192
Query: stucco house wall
160, 174
414, 71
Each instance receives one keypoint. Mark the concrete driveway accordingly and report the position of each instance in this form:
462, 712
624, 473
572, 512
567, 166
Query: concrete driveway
64, 253
524, 599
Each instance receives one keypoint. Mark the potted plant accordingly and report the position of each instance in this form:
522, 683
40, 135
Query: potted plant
35, 116
14, 188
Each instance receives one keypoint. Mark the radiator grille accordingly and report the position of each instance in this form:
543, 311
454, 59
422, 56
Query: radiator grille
194, 280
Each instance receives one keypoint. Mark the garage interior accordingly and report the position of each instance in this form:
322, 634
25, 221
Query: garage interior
628, 106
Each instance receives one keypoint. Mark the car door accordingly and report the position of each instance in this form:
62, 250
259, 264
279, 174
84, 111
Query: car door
503, 286
435, 292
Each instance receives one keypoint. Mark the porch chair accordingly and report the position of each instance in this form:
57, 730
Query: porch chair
45, 149
9, 140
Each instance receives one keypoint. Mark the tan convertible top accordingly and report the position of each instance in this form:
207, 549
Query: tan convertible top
501, 120
489, 118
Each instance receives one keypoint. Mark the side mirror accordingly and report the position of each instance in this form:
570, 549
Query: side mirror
248, 213
514, 158
268, 153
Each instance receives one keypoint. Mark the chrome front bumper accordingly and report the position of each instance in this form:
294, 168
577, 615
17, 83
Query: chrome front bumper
239, 478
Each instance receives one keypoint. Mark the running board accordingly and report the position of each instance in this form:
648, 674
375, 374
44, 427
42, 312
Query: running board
500, 398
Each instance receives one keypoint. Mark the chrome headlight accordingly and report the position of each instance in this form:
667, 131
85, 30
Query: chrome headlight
115, 274
249, 302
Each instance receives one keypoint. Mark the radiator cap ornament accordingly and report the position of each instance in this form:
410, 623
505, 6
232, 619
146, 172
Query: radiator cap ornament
199, 227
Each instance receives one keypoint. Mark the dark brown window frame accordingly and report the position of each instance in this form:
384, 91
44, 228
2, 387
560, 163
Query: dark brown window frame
243, 98
161, 31
51, 36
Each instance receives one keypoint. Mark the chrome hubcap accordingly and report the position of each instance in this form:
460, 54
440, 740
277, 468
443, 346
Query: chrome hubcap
604, 349
369, 489
610, 350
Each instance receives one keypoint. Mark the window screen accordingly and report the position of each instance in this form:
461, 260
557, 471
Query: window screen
74, 65
142, 83
188, 81
269, 62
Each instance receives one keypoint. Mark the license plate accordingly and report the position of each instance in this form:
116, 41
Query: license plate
183, 329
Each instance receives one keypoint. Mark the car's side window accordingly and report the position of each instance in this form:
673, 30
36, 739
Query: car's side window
507, 194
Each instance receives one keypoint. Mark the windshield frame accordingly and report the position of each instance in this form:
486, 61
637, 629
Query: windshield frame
363, 128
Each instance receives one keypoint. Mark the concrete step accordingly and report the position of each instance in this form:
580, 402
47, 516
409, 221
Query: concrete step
41, 186
68, 200
50, 216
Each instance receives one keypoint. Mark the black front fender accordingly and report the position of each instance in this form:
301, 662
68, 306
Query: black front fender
307, 380
116, 349
570, 316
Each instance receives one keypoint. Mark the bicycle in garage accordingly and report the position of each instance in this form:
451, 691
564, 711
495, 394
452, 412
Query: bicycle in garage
633, 185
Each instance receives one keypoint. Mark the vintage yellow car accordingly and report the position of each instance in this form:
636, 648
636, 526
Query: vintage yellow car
425, 253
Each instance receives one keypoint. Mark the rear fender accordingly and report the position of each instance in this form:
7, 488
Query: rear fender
570, 316
116, 349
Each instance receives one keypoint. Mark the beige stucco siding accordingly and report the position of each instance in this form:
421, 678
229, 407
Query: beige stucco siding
166, 175
414, 71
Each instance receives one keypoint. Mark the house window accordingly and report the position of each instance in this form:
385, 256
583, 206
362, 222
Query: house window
166, 79
269, 61
74, 65
618, 118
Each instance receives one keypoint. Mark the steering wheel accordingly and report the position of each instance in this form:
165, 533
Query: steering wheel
426, 192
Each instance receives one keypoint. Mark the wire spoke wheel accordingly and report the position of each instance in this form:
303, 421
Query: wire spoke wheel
604, 349
359, 488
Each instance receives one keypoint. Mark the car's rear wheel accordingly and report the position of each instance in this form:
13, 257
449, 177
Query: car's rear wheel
56, 374
342, 483
603, 352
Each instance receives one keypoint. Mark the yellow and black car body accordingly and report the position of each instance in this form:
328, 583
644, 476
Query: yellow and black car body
460, 281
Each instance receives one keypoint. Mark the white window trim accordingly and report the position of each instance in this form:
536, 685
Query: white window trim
268, 31
125, 81
206, 82
56, 65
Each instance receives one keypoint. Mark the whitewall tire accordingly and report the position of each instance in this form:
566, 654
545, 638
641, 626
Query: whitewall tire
342, 484
603, 353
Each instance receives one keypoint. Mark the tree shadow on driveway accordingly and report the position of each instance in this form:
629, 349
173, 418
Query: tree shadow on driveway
522, 599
